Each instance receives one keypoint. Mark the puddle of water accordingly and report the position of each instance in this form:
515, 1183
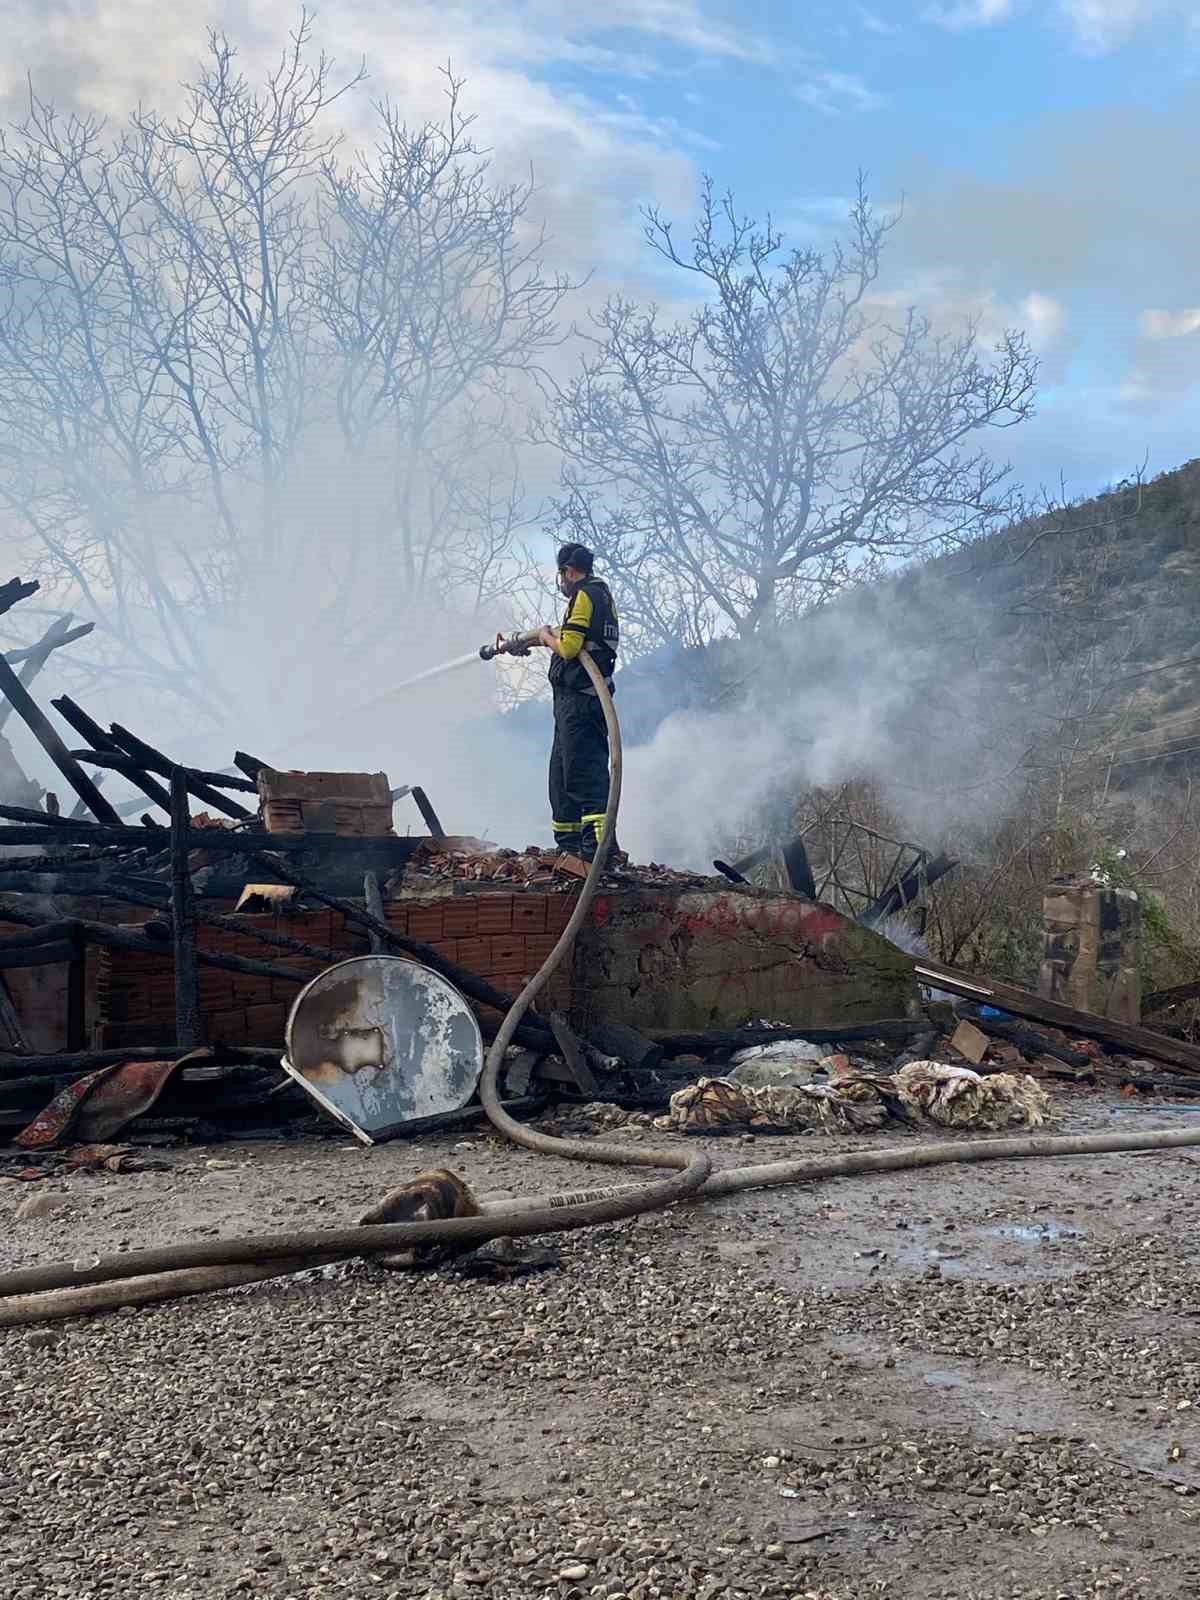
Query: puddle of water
1035, 1232
1169, 1107
943, 1378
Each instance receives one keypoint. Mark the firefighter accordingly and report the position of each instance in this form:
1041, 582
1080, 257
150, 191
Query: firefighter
579, 758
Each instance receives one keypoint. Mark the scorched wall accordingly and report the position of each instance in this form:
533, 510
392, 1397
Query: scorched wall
653, 958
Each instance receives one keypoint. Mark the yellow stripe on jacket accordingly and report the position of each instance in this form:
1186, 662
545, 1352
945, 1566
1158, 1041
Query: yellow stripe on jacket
575, 628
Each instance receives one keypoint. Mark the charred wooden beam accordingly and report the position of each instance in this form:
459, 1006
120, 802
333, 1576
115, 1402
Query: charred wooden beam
906, 890
67, 635
571, 1051
430, 816
630, 1047
250, 765
154, 761
76, 1063
373, 900
1178, 995
732, 874
36, 655
212, 839
14, 591
54, 954
39, 725
128, 768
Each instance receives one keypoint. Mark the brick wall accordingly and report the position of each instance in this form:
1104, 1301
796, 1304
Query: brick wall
503, 938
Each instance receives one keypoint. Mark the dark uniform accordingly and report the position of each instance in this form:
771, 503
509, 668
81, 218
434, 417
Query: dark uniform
579, 759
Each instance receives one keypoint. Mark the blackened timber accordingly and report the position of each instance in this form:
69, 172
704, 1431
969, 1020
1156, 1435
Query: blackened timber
1164, 999
29, 652
36, 656
571, 1051
533, 1030
373, 900
215, 839
188, 1029
128, 768
37, 722
250, 765
631, 1048
908, 889
421, 800
76, 1064
154, 761
14, 591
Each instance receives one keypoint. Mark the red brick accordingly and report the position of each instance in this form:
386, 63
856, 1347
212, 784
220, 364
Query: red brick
475, 954
460, 918
495, 913
425, 923
529, 913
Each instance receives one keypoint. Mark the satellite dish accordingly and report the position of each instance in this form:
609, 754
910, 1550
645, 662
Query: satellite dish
379, 1041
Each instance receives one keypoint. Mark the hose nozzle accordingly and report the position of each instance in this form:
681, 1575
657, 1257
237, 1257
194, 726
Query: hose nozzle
515, 644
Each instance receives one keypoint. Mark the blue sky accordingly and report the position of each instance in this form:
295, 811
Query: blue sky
1047, 151
1045, 154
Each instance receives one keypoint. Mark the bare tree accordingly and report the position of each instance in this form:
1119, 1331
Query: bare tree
241, 386
781, 440
434, 296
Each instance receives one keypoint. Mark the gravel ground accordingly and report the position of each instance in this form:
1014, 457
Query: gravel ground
966, 1383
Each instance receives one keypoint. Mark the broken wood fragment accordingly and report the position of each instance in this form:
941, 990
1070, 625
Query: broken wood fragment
632, 1049
429, 815
970, 1042
572, 1054
1122, 1036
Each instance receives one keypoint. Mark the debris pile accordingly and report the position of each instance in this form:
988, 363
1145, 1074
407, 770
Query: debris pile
531, 868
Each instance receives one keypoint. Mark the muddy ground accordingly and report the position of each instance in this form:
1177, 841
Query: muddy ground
969, 1382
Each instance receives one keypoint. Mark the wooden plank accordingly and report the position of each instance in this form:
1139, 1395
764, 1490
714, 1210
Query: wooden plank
572, 1054
39, 725
421, 800
1120, 1036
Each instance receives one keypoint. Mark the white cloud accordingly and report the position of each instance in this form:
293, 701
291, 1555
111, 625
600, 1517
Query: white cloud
1043, 317
835, 92
1096, 26
1170, 324
969, 14
594, 156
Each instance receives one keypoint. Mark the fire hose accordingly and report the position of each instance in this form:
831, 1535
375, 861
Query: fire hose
141, 1277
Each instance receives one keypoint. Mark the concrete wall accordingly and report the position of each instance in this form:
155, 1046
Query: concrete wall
701, 958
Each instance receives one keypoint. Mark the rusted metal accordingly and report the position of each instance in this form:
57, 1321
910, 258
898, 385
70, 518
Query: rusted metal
378, 1041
